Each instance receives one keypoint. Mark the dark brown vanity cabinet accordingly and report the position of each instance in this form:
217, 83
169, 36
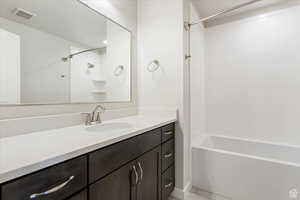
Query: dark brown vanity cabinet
139, 168
138, 180
54, 183
118, 185
168, 158
80, 196
148, 188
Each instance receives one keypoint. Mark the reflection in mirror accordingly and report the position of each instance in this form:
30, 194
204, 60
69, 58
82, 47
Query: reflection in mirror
60, 51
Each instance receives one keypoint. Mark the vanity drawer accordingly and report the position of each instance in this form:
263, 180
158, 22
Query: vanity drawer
167, 155
61, 181
168, 132
108, 159
168, 183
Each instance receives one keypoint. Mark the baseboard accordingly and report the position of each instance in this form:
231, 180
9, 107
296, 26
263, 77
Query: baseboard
177, 194
207, 194
181, 194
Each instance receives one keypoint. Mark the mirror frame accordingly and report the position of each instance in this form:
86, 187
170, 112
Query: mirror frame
96, 102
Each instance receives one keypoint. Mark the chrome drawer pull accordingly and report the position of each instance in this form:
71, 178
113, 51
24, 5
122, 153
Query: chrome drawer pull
169, 185
141, 170
55, 189
168, 155
136, 175
168, 133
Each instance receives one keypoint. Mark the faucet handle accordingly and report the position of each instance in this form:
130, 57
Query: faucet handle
88, 119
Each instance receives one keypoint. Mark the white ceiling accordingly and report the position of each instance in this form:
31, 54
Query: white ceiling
123, 12
68, 19
209, 7
127, 5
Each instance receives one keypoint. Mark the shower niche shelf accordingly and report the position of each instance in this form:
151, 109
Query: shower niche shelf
99, 92
99, 80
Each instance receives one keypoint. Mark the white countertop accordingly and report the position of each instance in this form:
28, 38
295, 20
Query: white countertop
24, 154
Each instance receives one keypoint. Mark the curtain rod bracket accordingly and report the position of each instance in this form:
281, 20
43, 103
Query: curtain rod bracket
187, 57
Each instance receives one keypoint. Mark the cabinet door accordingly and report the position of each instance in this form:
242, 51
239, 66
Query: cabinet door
149, 166
120, 185
81, 196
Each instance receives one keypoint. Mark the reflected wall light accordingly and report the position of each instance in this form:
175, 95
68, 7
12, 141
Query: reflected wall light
119, 70
153, 66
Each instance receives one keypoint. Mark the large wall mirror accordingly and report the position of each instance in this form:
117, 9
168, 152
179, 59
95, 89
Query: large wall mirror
61, 51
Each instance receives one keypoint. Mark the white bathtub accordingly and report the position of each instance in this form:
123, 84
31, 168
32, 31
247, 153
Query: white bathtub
246, 169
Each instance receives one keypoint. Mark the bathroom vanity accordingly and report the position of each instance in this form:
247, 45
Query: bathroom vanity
140, 167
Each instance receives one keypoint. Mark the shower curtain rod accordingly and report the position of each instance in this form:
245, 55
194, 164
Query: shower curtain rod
188, 25
80, 52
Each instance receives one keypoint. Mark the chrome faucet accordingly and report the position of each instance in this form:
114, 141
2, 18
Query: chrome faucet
95, 116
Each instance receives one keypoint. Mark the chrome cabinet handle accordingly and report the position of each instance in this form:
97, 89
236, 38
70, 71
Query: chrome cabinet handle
55, 189
168, 133
168, 155
136, 175
141, 170
169, 185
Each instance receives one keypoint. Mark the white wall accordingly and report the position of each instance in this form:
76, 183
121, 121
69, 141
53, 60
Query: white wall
123, 12
82, 77
9, 67
41, 65
252, 77
161, 37
197, 66
118, 54
40, 59
114, 88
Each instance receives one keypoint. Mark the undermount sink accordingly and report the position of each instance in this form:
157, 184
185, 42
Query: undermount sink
109, 127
